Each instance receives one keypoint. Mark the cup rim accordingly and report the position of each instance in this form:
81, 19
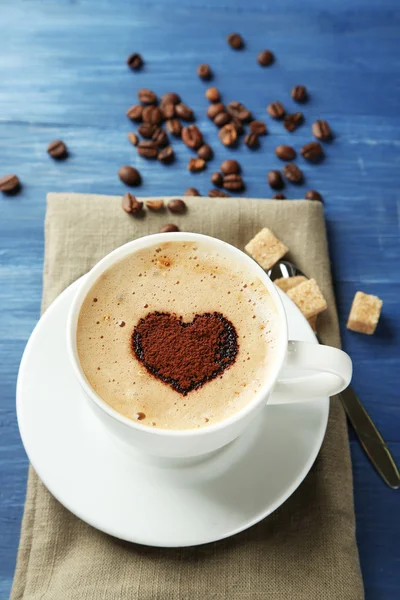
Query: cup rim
144, 242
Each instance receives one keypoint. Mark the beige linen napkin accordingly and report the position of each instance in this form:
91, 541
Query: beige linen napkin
306, 550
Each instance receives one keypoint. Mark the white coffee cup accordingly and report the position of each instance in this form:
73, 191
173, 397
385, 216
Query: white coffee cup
330, 368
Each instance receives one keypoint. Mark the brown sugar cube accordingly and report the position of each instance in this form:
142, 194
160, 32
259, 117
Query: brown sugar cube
287, 283
364, 314
312, 321
308, 297
266, 249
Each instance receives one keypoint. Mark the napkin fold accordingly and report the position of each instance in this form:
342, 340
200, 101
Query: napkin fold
306, 550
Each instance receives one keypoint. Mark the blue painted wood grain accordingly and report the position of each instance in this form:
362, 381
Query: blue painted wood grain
62, 74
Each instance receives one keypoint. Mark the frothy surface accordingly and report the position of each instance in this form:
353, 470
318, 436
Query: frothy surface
183, 279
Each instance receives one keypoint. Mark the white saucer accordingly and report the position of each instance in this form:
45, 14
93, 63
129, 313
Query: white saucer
153, 501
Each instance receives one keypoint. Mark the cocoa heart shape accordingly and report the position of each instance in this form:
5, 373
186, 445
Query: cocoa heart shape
185, 355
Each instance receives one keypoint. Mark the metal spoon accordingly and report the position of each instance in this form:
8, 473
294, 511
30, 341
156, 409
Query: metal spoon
368, 434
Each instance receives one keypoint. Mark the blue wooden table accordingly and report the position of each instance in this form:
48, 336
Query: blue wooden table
63, 74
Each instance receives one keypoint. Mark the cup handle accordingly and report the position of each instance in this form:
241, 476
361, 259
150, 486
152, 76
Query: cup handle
332, 371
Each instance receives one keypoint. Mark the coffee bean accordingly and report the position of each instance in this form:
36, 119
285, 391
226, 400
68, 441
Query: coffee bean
9, 183
166, 155
251, 140
217, 194
235, 41
276, 110
230, 166
279, 196
258, 127
275, 180
155, 205
134, 61
131, 204
147, 96
196, 164
176, 206
129, 175
265, 58
233, 182
152, 114
312, 151
146, 130
57, 149
237, 109
285, 152
217, 179
192, 137
299, 93
174, 127
168, 110
222, 119
169, 228
212, 94
170, 97
321, 130
214, 109
291, 122
313, 195
184, 112
160, 138
135, 112
192, 192
205, 152
147, 149
292, 173
238, 125
204, 71
228, 135
133, 138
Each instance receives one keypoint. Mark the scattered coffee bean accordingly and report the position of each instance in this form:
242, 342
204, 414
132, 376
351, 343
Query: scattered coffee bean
299, 93
196, 164
169, 228
184, 112
192, 137
204, 71
146, 130
233, 182
217, 194
275, 180
155, 205
135, 112
235, 41
222, 119
230, 166
131, 204
285, 152
133, 138
228, 135
312, 151
160, 137
147, 96
57, 149
313, 195
276, 110
147, 149
237, 109
176, 206
258, 127
212, 94
321, 130
170, 97
134, 61
152, 114
129, 175
174, 127
217, 179
166, 155
9, 183
214, 109
251, 140
292, 173
238, 125
279, 196
168, 110
265, 58
192, 192
291, 122
205, 151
